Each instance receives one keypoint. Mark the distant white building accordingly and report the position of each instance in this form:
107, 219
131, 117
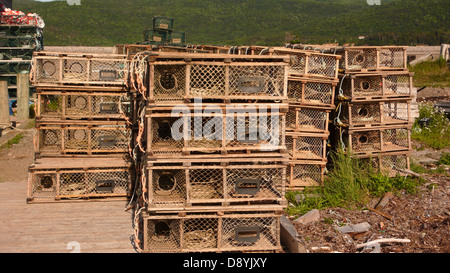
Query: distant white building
362, 37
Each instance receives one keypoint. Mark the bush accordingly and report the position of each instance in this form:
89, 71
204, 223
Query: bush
350, 184
435, 134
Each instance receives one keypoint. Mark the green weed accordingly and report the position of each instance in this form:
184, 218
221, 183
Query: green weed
351, 184
435, 135
11, 142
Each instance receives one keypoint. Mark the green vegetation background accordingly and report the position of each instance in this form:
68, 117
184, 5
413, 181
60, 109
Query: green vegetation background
244, 22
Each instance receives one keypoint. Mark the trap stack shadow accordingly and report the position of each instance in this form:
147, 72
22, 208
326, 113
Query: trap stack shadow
82, 131
373, 118
312, 81
211, 131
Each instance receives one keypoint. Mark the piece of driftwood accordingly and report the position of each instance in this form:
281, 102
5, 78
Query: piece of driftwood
384, 201
385, 215
358, 228
289, 237
384, 240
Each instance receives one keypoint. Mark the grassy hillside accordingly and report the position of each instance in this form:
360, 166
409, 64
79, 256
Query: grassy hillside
239, 22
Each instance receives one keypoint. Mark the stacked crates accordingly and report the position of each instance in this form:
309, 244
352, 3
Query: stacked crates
312, 80
82, 134
20, 36
162, 33
373, 118
214, 158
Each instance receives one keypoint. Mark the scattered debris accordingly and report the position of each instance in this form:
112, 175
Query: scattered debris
358, 228
383, 240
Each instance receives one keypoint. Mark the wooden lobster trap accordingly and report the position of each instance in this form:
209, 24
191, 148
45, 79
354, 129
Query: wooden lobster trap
301, 174
378, 140
307, 63
214, 130
79, 104
375, 113
307, 146
57, 179
379, 86
373, 58
52, 68
242, 232
314, 92
188, 185
307, 119
176, 77
58, 139
389, 163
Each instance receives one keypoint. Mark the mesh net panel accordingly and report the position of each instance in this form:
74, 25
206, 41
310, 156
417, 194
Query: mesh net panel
207, 80
161, 136
395, 139
168, 187
366, 141
200, 233
258, 233
206, 184
367, 86
49, 140
361, 59
398, 85
257, 81
163, 236
169, 82
322, 65
51, 105
254, 183
43, 186
392, 57
304, 175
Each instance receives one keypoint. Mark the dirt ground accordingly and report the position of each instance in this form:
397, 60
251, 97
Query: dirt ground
14, 162
423, 219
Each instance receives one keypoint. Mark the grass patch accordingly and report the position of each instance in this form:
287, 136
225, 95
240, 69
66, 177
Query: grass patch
431, 74
15, 140
435, 135
351, 184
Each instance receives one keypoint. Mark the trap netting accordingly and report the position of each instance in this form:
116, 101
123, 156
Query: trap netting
367, 86
306, 147
388, 164
76, 183
215, 133
175, 82
300, 175
214, 184
210, 233
314, 93
374, 58
82, 139
307, 120
382, 140
303, 63
79, 69
82, 106
376, 113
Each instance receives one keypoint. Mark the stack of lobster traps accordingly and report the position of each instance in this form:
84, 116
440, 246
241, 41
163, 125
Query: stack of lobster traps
312, 81
82, 134
373, 118
213, 157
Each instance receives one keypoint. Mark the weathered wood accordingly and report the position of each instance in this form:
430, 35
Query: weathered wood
289, 237
96, 226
